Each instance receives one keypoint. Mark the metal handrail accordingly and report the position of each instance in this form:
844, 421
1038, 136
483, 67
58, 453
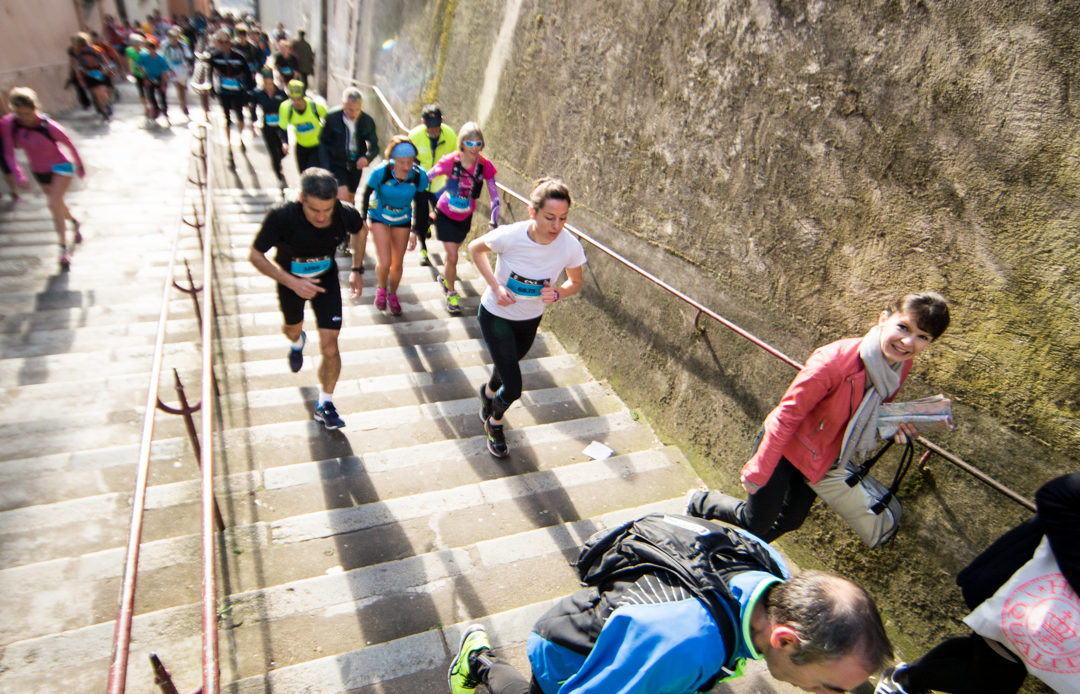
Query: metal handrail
211, 671
703, 310
125, 612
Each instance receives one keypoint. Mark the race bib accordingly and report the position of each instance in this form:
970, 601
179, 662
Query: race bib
523, 286
305, 127
459, 204
65, 169
310, 267
272, 119
231, 84
96, 74
395, 215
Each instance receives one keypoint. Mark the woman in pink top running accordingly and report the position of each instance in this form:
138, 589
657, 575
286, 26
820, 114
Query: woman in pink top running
466, 171
4, 168
40, 138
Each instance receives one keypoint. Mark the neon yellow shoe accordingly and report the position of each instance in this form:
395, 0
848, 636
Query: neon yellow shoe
453, 303
460, 677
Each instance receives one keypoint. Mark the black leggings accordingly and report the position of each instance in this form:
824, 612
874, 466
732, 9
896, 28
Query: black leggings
501, 677
272, 138
155, 93
779, 507
964, 665
508, 341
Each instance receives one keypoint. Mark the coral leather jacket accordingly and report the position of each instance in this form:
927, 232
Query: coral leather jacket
807, 427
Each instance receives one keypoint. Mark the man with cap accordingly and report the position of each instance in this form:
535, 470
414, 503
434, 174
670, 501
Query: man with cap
347, 144
306, 117
433, 141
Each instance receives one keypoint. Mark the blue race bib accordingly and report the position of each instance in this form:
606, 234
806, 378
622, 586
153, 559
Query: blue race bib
96, 74
395, 215
459, 204
272, 119
305, 127
310, 267
233, 85
523, 286
65, 169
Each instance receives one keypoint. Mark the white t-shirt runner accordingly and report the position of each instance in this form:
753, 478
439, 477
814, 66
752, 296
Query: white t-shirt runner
523, 265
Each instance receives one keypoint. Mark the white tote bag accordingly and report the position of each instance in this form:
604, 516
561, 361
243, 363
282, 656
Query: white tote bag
1036, 615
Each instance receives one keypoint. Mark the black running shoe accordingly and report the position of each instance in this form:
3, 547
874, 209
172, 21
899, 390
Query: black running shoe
496, 441
296, 356
485, 403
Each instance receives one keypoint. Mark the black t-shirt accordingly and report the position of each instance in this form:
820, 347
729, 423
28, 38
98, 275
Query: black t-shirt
287, 229
288, 67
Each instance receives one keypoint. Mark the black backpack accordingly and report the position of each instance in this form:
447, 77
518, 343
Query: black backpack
42, 127
700, 554
478, 177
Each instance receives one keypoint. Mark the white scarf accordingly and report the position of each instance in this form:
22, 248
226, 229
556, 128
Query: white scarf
882, 381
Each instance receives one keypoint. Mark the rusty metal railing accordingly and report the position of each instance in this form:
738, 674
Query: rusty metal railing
703, 310
211, 515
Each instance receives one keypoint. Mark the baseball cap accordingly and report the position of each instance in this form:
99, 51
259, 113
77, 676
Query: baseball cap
296, 88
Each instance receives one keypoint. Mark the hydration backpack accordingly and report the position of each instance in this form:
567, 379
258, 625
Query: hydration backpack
701, 555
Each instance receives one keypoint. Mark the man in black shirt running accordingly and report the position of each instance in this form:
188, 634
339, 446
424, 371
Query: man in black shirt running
306, 234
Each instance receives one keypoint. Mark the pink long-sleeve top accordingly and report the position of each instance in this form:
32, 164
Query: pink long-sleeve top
43, 152
457, 199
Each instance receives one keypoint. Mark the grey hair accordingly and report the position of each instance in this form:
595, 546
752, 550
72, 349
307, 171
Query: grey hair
318, 183
352, 94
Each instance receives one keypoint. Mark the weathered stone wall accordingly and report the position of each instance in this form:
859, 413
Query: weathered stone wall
793, 165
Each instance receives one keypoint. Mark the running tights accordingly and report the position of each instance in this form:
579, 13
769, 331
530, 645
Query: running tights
501, 677
508, 341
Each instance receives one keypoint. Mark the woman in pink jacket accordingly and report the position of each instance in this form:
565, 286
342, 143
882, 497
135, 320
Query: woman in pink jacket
41, 137
828, 415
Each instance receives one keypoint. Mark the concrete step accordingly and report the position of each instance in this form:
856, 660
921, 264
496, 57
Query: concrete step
297, 628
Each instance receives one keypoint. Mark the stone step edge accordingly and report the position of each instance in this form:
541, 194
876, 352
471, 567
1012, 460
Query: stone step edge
77, 645
295, 475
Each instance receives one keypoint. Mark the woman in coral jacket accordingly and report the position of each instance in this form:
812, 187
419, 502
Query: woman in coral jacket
40, 137
827, 416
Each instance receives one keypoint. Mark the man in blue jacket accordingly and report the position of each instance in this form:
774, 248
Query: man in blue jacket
645, 631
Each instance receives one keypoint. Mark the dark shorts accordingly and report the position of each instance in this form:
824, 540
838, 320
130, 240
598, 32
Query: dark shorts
449, 231
327, 305
43, 178
350, 179
4, 168
91, 82
232, 102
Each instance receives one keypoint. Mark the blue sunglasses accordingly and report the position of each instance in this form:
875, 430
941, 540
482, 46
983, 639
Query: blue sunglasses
473, 143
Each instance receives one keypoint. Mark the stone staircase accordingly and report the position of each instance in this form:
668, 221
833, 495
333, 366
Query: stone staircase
352, 559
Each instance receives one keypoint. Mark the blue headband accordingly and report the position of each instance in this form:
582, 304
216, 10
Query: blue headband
404, 149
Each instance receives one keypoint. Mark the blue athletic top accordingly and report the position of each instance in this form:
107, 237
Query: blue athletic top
393, 203
153, 66
668, 644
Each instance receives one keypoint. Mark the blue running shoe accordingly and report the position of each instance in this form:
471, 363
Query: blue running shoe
296, 356
329, 416
460, 677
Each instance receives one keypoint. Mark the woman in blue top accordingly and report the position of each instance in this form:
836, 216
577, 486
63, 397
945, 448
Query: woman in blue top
394, 184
